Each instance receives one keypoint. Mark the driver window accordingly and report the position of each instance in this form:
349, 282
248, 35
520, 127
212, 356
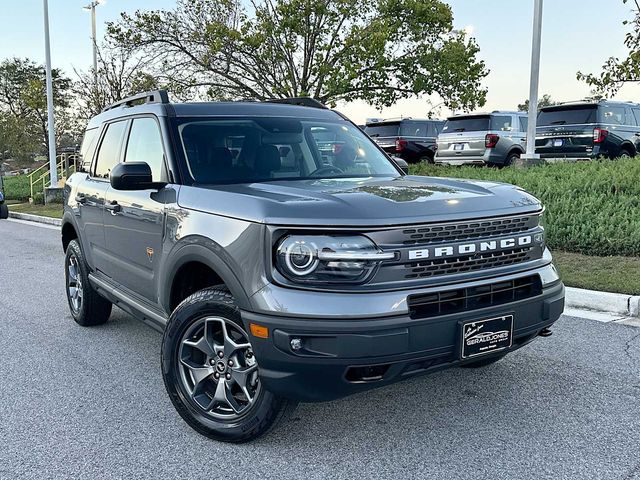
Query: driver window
145, 145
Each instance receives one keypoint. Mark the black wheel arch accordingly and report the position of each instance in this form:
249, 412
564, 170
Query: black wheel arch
628, 147
203, 251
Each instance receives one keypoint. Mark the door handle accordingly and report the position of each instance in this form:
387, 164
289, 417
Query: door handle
113, 207
81, 199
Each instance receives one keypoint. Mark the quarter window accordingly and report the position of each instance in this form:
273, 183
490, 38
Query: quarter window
636, 114
501, 123
109, 154
145, 145
612, 115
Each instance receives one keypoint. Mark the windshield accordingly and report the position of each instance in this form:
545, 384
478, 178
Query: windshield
567, 116
383, 129
263, 149
466, 124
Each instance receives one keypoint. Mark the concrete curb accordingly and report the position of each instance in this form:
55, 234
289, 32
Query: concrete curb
616, 303
35, 218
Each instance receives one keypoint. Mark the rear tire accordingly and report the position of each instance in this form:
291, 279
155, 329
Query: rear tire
511, 159
211, 373
625, 153
87, 307
427, 159
4, 211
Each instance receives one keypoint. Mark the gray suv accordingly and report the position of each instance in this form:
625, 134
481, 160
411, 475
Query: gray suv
285, 257
497, 138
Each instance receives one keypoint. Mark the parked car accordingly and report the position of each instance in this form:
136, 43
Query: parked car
496, 138
413, 140
4, 208
588, 130
288, 271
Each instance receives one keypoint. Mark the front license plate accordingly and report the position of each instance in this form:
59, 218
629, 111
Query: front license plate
486, 336
558, 142
458, 146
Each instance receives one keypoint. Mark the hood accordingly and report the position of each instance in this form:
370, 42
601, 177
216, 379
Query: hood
359, 202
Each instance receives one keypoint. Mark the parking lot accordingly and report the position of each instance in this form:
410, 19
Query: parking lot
90, 403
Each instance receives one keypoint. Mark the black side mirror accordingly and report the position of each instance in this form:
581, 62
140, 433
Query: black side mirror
133, 176
404, 166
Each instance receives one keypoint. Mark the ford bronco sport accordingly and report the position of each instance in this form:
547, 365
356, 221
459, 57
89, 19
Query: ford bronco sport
282, 271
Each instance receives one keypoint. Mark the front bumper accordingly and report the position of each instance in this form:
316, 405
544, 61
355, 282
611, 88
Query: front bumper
342, 356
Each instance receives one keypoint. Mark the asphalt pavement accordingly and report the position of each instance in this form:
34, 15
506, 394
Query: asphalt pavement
90, 403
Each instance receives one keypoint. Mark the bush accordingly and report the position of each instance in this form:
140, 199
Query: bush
591, 207
38, 198
17, 188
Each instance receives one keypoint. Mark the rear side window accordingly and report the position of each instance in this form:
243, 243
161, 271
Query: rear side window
466, 124
524, 123
567, 116
636, 114
145, 145
612, 115
109, 153
383, 130
87, 149
501, 123
413, 129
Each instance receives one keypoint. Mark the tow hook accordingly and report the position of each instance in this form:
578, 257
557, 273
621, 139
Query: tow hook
545, 332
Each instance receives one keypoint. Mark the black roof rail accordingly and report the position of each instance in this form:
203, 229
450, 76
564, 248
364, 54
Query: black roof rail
156, 96
302, 101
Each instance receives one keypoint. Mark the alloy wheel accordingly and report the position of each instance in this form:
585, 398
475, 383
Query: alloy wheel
218, 369
74, 284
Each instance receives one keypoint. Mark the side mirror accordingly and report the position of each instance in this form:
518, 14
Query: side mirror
404, 166
133, 176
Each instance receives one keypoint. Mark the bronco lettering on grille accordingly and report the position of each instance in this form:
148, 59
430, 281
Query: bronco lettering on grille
474, 247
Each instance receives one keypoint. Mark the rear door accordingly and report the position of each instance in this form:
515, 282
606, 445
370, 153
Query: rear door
91, 192
384, 134
463, 136
134, 220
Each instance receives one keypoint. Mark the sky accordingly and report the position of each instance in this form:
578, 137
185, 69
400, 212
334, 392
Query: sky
576, 35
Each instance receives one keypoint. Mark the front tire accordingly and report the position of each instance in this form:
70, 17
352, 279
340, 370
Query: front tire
211, 374
87, 307
4, 211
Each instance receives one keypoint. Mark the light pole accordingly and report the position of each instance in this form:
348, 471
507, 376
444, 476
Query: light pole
53, 171
92, 7
531, 156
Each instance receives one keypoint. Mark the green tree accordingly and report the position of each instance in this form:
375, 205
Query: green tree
545, 101
23, 98
616, 72
378, 51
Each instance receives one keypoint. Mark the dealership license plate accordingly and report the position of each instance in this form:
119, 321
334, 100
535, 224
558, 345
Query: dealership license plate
458, 146
487, 336
558, 142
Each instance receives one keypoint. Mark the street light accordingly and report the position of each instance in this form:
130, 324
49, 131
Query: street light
531, 156
50, 119
92, 7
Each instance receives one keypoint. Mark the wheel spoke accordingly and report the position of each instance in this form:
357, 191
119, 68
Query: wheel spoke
202, 344
241, 375
230, 345
198, 373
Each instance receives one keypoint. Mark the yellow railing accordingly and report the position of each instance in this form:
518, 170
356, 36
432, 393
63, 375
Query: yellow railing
40, 178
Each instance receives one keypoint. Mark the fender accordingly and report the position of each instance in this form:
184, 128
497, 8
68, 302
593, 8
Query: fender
196, 248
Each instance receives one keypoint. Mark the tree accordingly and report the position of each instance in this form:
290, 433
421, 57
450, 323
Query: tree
616, 72
378, 51
120, 74
23, 98
545, 101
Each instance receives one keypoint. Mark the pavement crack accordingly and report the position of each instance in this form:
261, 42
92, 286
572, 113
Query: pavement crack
627, 346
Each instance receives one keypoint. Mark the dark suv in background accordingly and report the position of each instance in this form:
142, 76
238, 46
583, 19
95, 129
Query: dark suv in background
413, 140
588, 130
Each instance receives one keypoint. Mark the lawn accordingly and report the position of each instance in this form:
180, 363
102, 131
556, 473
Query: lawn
52, 210
17, 188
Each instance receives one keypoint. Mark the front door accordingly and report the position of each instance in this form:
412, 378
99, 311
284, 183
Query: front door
134, 220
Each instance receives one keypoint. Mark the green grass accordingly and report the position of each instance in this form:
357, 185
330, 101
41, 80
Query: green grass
593, 208
608, 274
17, 188
52, 210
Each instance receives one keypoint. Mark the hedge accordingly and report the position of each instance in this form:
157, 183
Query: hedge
591, 207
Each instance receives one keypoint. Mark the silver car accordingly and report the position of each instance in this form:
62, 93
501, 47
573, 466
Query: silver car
496, 138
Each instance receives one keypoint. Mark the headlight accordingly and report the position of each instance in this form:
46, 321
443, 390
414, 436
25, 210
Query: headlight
328, 259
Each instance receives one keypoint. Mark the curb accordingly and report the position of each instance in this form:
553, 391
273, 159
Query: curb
617, 303
35, 218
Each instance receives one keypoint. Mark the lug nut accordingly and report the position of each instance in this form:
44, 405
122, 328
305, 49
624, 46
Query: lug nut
220, 354
231, 363
212, 362
296, 343
228, 376
216, 375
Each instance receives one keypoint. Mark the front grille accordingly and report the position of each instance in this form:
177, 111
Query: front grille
464, 264
472, 298
424, 235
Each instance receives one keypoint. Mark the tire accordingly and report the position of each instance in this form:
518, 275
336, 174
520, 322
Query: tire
511, 159
4, 211
87, 307
427, 159
485, 362
624, 153
238, 410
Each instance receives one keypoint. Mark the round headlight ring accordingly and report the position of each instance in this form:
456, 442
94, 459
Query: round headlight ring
301, 258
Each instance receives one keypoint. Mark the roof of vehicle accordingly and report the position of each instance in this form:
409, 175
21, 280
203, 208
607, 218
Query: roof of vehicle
486, 114
398, 120
157, 103
586, 103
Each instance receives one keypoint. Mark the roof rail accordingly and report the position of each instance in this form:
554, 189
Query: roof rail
302, 101
155, 96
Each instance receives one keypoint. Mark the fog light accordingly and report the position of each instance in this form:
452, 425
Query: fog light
296, 344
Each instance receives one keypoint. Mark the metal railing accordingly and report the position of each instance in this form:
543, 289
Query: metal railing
40, 178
